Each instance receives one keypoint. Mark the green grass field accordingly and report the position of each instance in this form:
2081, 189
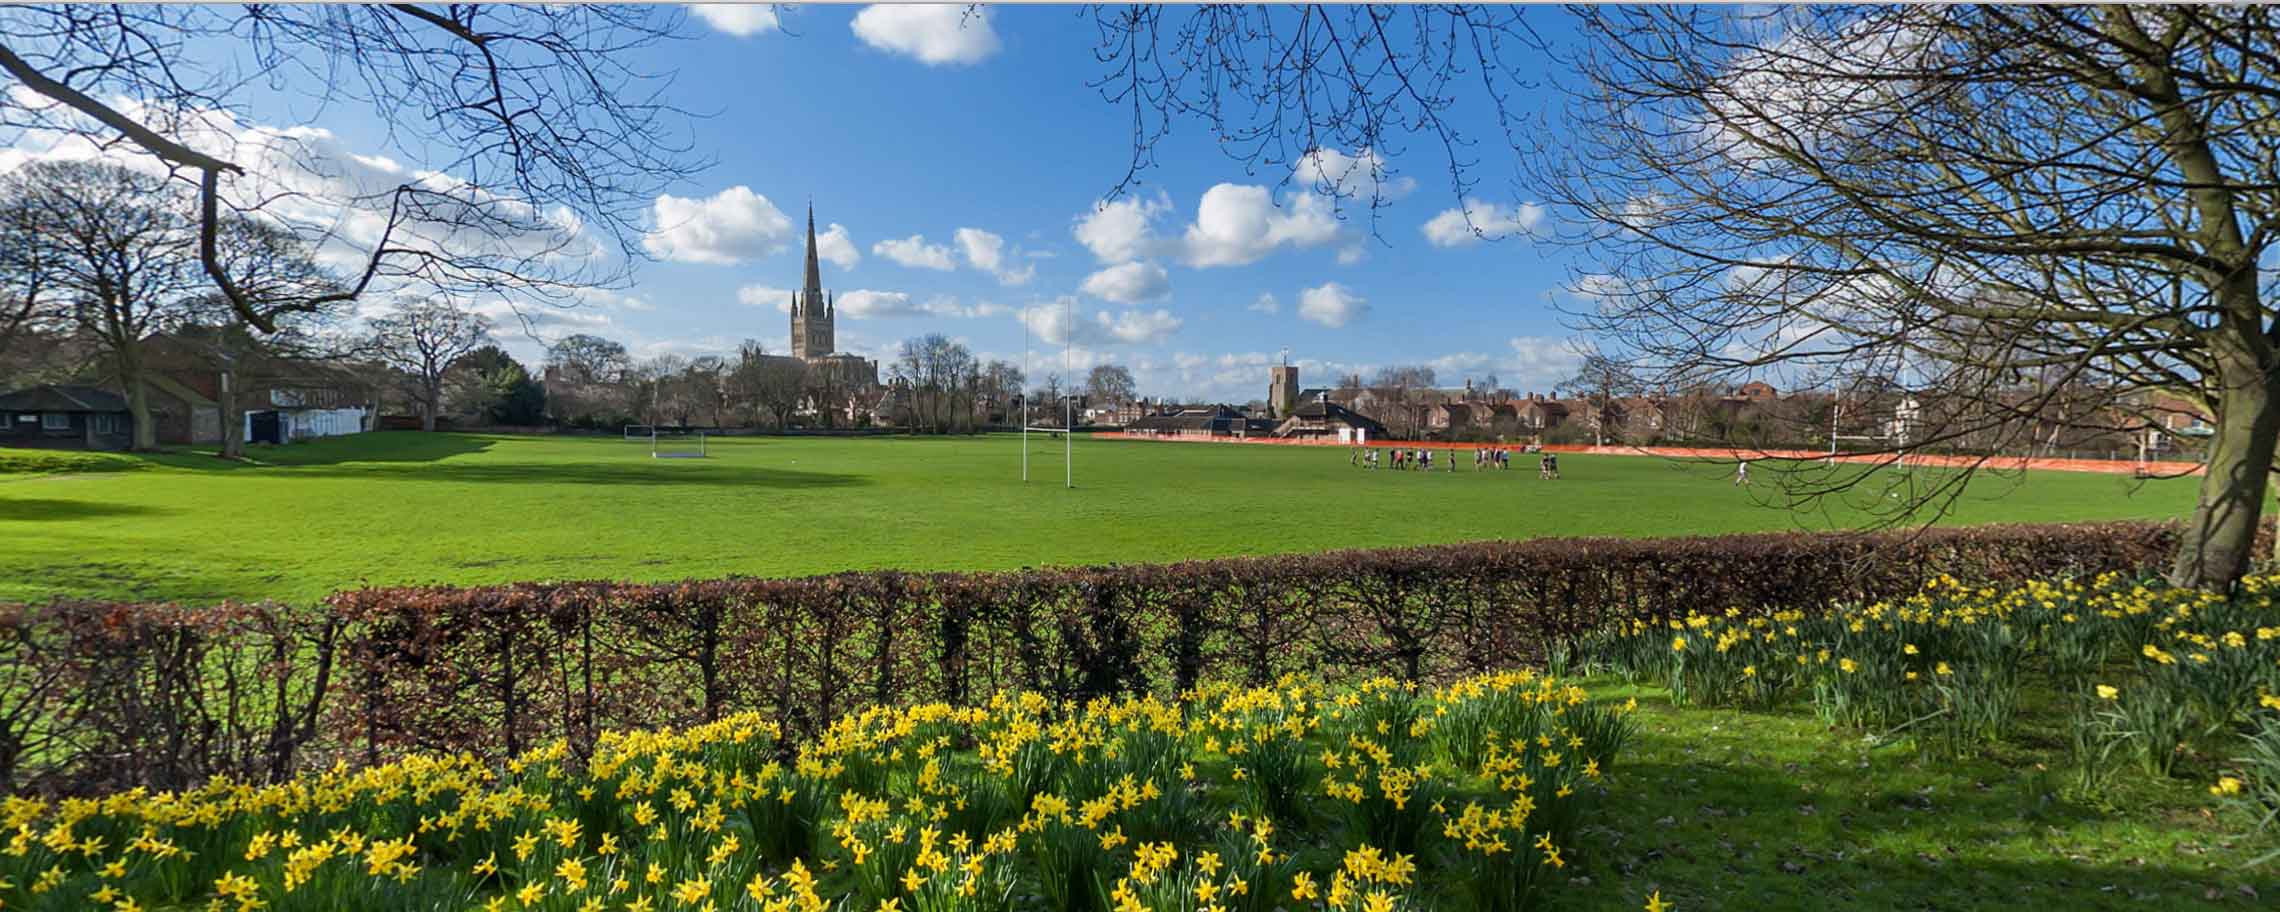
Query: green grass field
1776, 811
396, 508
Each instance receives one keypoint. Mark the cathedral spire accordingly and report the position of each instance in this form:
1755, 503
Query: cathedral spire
814, 287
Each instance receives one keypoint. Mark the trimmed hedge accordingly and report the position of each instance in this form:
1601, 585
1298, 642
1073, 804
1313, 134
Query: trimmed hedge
98, 696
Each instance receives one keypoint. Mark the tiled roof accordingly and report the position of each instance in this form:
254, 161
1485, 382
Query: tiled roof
63, 398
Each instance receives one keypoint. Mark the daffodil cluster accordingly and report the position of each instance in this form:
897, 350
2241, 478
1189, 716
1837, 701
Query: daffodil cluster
2158, 674
1379, 797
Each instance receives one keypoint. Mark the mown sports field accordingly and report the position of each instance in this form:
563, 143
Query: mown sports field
399, 508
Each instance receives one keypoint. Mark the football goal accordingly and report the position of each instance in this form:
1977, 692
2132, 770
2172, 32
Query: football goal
666, 443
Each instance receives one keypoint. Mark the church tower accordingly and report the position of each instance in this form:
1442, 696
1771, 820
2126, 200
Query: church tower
811, 311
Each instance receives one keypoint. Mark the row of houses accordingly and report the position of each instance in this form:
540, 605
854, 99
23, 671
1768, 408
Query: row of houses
277, 401
1314, 418
1869, 415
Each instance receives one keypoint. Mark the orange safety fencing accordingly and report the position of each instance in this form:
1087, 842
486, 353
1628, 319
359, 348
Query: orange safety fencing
2014, 463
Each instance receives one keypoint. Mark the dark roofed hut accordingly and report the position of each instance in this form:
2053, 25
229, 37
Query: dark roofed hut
62, 415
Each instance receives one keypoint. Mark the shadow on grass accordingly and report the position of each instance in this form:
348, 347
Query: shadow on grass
668, 472
38, 509
378, 447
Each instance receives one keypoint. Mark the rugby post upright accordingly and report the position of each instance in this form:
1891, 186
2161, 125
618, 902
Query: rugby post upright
1025, 402
1068, 402
1068, 429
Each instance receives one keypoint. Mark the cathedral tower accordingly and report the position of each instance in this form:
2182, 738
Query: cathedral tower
812, 314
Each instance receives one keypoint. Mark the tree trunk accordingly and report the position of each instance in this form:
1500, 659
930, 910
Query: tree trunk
138, 407
233, 424
431, 401
2217, 543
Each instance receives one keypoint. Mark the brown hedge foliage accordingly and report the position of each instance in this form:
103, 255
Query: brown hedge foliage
97, 696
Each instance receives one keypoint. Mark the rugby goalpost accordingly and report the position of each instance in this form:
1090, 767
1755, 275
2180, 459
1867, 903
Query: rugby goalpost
1068, 428
1894, 434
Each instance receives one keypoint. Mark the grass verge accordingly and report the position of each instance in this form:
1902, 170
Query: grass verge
57, 462
1775, 810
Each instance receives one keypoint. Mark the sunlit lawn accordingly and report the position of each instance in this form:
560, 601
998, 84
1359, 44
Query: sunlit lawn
1728, 809
391, 508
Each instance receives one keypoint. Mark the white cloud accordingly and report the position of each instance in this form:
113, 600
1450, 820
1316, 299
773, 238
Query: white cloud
1130, 283
336, 199
1019, 276
765, 296
1266, 304
1237, 224
742, 20
914, 251
1352, 253
835, 245
934, 33
729, 227
1137, 326
986, 251
1331, 304
1335, 173
1119, 231
611, 299
1060, 323
948, 306
1529, 364
1450, 229
1822, 81
865, 303
1539, 362
983, 250
508, 318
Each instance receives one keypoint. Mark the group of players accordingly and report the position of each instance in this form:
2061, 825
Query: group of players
1421, 459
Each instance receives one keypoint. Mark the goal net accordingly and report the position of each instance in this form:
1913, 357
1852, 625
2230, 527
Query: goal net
671, 444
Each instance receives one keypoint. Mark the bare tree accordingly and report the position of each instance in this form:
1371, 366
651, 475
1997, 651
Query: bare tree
773, 385
1408, 386
584, 358
586, 379
29, 299
424, 339
1048, 406
656, 394
1601, 381
2026, 216
119, 257
559, 144
939, 376
1111, 384
1001, 388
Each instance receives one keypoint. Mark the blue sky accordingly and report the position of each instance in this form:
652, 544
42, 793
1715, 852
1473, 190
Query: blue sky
913, 127
964, 165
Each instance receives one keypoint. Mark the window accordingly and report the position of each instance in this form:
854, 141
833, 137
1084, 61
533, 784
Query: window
55, 421
105, 423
